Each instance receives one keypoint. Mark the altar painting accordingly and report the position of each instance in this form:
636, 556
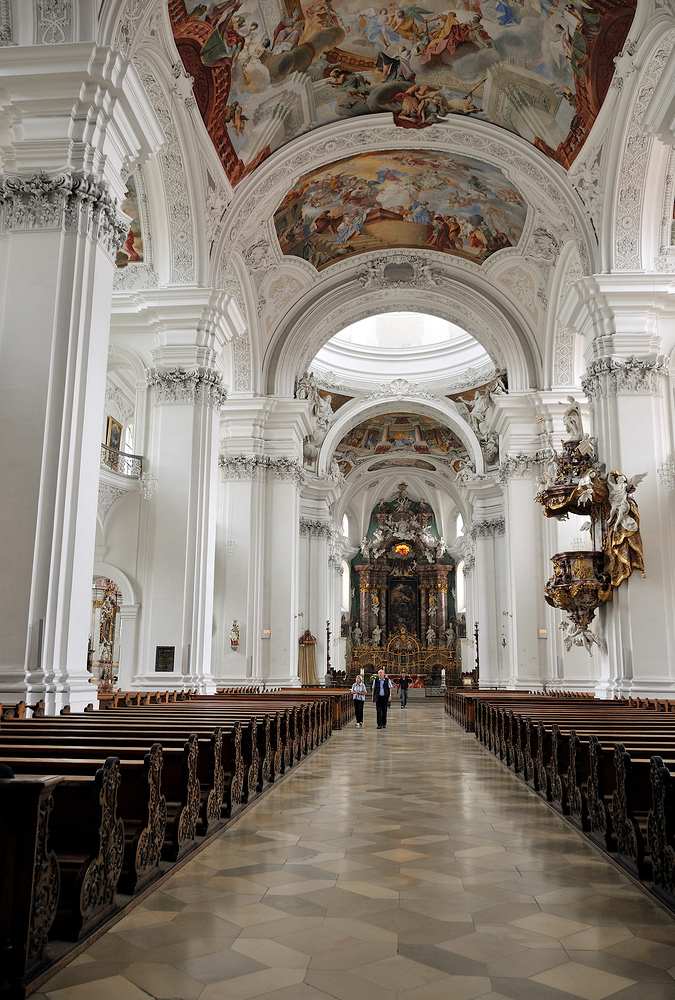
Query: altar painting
402, 606
267, 72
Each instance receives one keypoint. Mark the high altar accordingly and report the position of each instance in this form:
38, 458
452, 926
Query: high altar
405, 621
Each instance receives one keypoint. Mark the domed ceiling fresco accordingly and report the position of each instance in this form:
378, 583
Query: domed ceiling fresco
374, 201
266, 71
402, 437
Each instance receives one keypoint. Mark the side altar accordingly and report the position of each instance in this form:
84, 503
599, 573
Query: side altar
403, 619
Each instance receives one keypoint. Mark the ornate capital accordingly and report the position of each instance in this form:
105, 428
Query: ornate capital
287, 470
242, 468
521, 466
488, 528
609, 377
315, 528
199, 386
249, 468
72, 201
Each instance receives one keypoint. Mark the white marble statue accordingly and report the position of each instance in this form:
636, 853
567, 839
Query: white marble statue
572, 420
357, 634
377, 635
620, 517
305, 386
431, 636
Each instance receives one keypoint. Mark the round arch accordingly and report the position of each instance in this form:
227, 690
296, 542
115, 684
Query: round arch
356, 411
441, 290
110, 572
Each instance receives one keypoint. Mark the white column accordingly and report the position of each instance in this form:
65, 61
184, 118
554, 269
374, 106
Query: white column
487, 532
523, 608
627, 384
178, 570
78, 122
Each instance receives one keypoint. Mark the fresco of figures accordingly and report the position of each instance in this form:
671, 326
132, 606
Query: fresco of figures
376, 201
131, 251
285, 68
394, 434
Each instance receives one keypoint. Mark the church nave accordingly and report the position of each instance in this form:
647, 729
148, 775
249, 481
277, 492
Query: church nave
398, 865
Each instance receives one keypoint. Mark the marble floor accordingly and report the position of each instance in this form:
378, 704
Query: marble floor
405, 864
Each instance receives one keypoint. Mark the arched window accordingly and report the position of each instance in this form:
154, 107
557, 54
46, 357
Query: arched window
345, 526
460, 525
345, 586
460, 588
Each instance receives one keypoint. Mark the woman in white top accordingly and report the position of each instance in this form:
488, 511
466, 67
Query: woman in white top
359, 692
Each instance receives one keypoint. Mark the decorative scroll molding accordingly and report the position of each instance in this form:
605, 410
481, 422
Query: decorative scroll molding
665, 259
490, 527
6, 23
252, 468
53, 21
128, 24
241, 363
563, 357
108, 496
187, 385
315, 528
413, 271
176, 185
148, 485
400, 387
609, 377
71, 201
627, 254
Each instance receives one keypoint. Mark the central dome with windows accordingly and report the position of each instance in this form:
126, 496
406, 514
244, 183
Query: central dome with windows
414, 346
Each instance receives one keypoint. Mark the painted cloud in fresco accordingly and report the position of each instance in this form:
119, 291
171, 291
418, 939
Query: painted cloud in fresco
376, 201
265, 71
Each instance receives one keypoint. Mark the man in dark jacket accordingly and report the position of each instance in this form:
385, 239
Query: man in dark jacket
382, 697
403, 685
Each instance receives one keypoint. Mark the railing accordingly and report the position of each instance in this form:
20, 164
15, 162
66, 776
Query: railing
121, 461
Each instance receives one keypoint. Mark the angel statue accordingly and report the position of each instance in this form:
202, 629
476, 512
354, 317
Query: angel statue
625, 543
620, 506
572, 420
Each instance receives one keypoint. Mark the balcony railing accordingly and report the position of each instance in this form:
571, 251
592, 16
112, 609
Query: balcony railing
121, 462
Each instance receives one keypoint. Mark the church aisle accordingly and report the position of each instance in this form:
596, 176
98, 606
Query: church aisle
397, 865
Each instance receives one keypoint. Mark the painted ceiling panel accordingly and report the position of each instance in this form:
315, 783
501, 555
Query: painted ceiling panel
266, 71
378, 201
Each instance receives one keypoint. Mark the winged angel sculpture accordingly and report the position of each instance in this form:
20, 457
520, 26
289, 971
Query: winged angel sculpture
623, 521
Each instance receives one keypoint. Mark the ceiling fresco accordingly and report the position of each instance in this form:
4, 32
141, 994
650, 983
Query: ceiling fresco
266, 71
377, 201
131, 252
398, 435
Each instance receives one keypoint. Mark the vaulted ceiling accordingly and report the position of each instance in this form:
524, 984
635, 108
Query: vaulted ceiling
266, 72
